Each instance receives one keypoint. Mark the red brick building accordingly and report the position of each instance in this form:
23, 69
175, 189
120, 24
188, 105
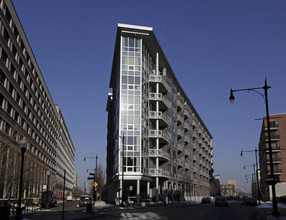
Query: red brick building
278, 146
227, 190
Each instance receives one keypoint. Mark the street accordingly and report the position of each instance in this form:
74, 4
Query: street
235, 210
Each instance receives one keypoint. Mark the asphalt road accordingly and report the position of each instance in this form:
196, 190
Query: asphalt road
235, 211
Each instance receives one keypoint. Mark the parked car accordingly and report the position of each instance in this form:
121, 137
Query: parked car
85, 199
221, 201
206, 200
69, 198
251, 201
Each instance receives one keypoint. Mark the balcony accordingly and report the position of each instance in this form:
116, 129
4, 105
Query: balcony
194, 124
159, 79
186, 114
273, 138
187, 139
187, 126
153, 97
180, 119
178, 176
276, 172
180, 148
180, 104
159, 153
187, 166
187, 153
272, 127
180, 162
180, 133
153, 115
275, 160
155, 172
163, 138
193, 135
274, 149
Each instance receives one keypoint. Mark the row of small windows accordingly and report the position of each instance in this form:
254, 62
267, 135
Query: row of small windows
13, 92
10, 131
15, 115
26, 55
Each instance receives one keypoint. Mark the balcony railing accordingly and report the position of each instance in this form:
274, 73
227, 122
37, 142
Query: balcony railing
180, 104
187, 113
273, 137
187, 153
187, 126
180, 132
272, 127
187, 166
273, 149
155, 172
158, 115
158, 134
180, 148
276, 171
159, 153
159, 172
180, 118
158, 79
275, 160
194, 124
179, 162
187, 138
158, 97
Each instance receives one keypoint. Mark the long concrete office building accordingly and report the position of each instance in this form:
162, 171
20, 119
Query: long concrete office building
166, 146
27, 110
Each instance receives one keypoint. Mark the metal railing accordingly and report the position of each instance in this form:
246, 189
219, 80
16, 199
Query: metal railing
159, 153
158, 79
158, 115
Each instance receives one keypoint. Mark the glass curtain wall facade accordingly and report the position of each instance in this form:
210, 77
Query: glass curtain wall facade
167, 148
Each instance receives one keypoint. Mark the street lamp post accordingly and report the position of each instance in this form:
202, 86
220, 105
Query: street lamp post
48, 182
23, 145
94, 178
275, 211
253, 180
257, 180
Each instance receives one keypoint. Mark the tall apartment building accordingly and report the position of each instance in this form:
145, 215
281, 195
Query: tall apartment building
27, 109
167, 148
278, 143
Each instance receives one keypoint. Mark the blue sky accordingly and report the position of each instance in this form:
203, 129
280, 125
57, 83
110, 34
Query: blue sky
211, 46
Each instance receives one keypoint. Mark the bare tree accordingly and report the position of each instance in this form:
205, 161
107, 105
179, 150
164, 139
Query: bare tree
100, 180
77, 192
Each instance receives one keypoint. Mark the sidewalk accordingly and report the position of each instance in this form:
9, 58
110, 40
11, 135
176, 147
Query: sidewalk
265, 211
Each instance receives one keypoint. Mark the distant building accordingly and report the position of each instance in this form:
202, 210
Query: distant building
233, 182
227, 190
278, 143
215, 185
